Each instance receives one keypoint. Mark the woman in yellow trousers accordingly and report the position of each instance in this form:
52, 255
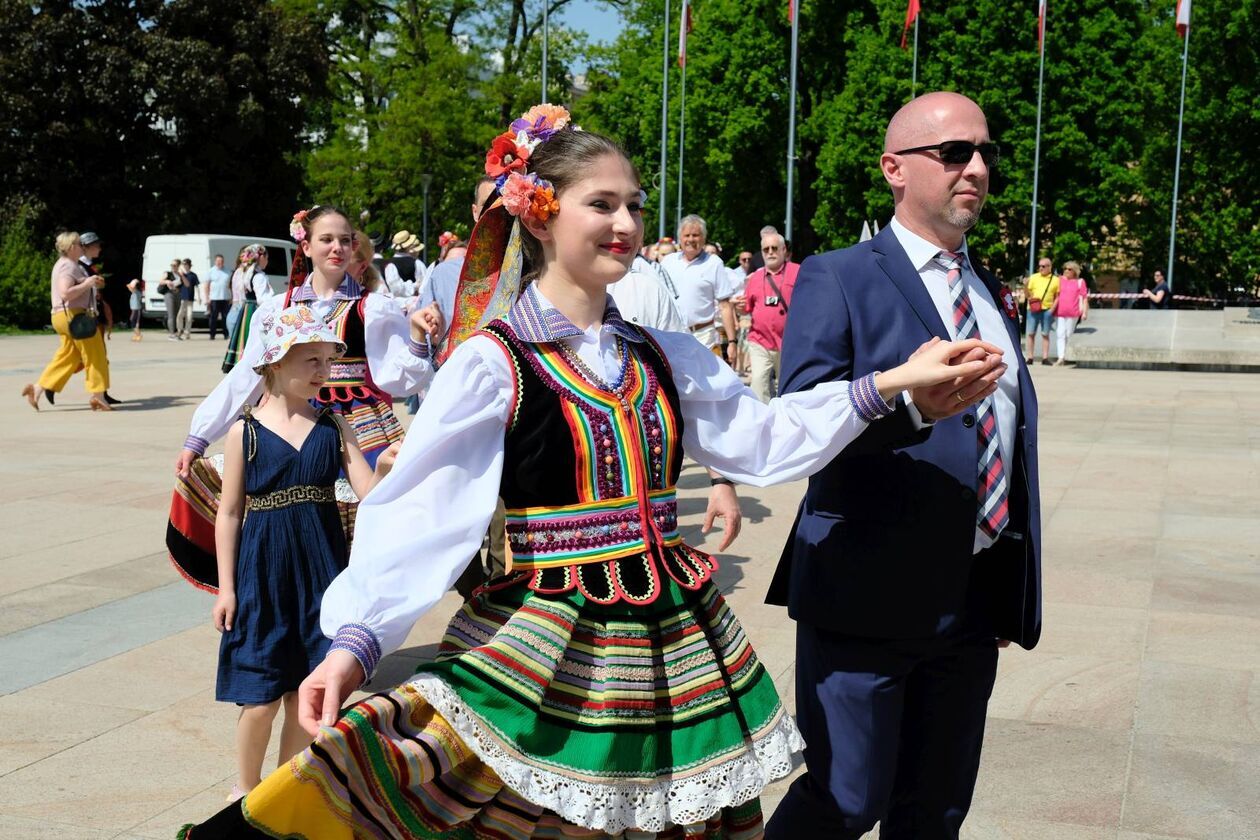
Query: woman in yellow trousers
73, 292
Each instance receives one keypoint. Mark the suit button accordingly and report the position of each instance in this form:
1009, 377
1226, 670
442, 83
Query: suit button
968, 494
969, 420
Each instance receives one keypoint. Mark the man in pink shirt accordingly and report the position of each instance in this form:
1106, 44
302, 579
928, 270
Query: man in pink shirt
768, 296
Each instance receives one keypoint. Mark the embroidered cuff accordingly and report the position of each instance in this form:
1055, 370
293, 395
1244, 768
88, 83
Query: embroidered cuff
361, 642
196, 444
867, 402
417, 348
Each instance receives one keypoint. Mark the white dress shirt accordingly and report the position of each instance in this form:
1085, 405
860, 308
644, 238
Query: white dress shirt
417, 529
700, 284
991, 321
643, 299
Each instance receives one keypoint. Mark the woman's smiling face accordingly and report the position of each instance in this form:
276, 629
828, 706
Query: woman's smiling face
599, 227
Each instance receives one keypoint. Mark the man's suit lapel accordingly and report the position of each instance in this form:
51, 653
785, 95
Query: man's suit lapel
893, 261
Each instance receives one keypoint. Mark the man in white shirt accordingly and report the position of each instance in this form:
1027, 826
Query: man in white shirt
703, 286
404, 270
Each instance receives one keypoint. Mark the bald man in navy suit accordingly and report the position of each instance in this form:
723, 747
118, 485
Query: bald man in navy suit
915, 555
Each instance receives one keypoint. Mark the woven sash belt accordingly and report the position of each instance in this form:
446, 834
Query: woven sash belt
591, 532
300, 494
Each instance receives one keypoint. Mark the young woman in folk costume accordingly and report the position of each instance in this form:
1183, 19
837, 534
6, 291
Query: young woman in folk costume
248, 280
602, 686
387, 355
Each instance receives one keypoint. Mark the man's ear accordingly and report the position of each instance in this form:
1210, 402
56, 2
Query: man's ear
890, 167
538, 229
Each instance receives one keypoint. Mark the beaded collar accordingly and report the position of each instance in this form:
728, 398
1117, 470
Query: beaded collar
348, 290
535, 320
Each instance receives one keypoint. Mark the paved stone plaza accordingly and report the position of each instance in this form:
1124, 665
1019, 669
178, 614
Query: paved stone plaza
1137, 717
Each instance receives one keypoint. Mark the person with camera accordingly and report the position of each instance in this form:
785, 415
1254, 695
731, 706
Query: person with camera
767, 297
74, 320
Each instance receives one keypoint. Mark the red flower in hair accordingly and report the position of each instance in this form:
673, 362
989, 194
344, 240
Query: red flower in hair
505, 156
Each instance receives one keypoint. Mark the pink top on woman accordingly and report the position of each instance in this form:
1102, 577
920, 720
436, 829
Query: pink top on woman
1071, 293
66, 274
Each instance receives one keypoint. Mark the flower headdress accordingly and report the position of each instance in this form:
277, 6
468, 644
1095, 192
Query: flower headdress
523, 193
490, 280
447, 238
296, 229
251, 253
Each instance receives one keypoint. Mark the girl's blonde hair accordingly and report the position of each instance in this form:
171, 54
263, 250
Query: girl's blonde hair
67, 240
1074, 265
363, 252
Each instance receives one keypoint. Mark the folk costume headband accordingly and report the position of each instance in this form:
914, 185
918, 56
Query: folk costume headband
490, 280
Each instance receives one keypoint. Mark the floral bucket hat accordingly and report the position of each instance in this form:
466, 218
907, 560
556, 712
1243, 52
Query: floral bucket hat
287, 328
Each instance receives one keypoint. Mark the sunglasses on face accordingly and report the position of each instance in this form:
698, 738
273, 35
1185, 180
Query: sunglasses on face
960, 151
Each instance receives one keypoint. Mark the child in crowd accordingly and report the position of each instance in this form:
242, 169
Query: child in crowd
136, 287
281, 462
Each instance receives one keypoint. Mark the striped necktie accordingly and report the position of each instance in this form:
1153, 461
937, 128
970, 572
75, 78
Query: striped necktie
991, 495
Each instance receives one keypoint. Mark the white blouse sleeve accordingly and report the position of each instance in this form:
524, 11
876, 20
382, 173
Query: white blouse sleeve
239, 387
418, 529
399, 365
261, 286
726, 428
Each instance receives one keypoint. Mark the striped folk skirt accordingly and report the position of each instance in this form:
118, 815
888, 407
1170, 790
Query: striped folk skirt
239, 335
547, 716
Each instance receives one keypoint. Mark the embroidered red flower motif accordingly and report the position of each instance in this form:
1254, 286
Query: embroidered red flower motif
505, 156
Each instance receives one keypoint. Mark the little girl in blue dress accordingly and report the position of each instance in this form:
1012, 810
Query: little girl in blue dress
279, 536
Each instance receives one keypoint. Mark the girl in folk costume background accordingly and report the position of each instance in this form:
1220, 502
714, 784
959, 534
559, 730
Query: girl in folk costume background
386, 356
601, 685
281, 463
248, 279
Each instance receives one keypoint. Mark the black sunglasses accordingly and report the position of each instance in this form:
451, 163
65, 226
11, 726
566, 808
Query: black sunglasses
960, 151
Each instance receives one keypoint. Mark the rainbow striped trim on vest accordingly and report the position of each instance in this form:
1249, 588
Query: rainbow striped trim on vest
591, 532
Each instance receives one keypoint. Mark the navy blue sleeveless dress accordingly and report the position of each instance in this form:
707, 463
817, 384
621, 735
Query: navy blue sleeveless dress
292, 546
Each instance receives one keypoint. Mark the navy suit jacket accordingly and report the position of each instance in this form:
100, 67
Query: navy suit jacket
882, 546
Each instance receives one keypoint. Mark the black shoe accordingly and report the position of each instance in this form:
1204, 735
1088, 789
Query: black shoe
51, 396
1045, 360
111, 400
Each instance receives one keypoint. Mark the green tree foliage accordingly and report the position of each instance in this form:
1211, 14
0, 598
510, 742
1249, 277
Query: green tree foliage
1112, 82
144, 117
25, 271
421, 88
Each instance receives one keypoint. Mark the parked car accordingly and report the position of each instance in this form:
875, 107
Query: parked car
161, 250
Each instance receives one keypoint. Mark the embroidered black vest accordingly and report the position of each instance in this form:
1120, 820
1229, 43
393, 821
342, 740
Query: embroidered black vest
589, 475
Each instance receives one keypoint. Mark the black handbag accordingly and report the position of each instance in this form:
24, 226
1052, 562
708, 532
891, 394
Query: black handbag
83, 325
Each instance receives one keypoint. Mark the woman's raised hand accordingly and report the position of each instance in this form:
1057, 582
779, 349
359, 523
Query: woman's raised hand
427, 323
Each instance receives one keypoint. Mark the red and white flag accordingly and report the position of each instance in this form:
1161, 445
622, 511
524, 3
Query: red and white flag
912, 13
1041, 23
684, 29
1183, 17
791, 10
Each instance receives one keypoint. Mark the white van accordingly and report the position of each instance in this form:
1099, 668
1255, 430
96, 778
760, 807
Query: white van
160, 251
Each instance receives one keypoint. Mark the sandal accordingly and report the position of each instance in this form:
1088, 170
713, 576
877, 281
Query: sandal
237, 793
99, 404
29, 393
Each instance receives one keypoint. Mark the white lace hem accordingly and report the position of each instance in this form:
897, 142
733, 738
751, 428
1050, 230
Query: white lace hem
611, 807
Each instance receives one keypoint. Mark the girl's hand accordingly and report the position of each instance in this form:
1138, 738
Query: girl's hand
427, 323
965, 371
321, 694
224, 611
385, 461
184, 462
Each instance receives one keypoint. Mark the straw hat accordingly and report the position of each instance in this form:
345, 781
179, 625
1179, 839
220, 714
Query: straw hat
405, 240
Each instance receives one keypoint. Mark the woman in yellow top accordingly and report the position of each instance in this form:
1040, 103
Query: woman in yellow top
1042, 290
73, 293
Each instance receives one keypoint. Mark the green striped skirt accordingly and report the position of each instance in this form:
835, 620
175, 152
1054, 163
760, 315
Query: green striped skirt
545, 712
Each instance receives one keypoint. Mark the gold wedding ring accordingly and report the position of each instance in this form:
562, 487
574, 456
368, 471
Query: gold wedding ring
958, 396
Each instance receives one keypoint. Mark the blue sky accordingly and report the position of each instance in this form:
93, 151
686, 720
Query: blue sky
599, 20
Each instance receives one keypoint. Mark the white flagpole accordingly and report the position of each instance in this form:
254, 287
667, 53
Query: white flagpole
546, 37
682, 118
791, 148
1041, 74
664, 126
1181, 117
914, 68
